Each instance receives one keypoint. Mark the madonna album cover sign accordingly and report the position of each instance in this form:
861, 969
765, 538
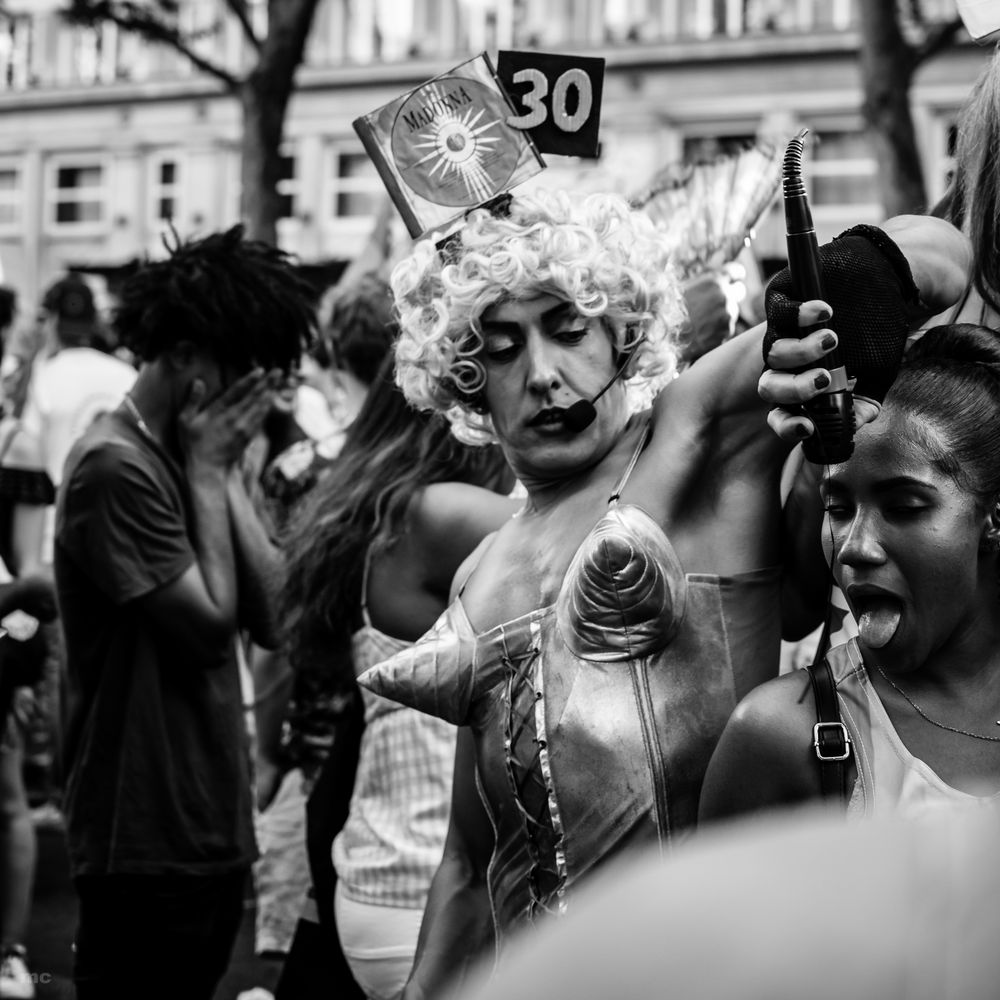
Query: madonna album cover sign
446, 146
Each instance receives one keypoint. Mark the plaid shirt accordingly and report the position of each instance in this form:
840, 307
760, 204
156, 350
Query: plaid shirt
392, 842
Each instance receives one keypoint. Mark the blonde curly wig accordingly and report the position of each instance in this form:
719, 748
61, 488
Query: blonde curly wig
596, 252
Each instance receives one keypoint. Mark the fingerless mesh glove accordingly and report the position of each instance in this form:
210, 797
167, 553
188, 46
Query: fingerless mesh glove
868, 284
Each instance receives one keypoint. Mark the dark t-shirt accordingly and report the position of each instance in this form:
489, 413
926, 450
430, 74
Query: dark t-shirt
159, 775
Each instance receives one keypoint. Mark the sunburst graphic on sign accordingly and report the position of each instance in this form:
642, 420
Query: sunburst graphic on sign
457, 143
452, 144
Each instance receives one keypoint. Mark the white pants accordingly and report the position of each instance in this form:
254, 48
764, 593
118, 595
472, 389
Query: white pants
379, 943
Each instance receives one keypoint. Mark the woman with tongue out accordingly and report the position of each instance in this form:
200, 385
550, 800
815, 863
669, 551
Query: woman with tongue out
913, 533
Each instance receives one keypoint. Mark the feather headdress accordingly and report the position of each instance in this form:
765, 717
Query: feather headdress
710, 208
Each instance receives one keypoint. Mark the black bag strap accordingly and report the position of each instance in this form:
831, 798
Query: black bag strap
831, 741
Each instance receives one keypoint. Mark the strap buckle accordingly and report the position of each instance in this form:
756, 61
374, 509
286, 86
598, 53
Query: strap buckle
841, 733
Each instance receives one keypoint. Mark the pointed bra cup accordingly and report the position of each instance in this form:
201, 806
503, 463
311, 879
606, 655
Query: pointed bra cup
625, 591
623, 598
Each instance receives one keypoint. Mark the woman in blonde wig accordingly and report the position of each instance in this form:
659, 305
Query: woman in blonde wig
598, 641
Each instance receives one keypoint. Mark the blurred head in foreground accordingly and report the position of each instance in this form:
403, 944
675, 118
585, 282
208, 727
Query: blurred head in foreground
801, 905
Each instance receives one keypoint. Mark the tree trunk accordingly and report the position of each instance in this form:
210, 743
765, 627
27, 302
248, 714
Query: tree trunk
265, 95
887, 66
263, 121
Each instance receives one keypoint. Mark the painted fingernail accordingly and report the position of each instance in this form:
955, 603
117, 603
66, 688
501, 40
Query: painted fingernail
829, 342
822, 380
801, 431
823, 314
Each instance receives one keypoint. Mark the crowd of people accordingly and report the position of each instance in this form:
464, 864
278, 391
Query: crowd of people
416, 609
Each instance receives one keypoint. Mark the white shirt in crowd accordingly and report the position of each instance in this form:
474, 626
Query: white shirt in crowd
66, 393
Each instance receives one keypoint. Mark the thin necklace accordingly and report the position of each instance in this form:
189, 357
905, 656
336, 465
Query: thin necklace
923, 715
137, 417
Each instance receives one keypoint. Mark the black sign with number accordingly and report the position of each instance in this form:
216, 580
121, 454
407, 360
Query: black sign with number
558, 97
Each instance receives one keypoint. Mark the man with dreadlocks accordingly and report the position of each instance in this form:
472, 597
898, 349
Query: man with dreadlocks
160, 560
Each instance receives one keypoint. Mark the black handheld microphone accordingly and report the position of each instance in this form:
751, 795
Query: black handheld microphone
583, 412
832, 413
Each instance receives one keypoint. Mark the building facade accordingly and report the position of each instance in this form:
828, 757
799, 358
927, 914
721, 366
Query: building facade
107, 140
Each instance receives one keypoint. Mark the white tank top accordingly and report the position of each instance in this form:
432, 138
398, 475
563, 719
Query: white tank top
391, 845
891, 781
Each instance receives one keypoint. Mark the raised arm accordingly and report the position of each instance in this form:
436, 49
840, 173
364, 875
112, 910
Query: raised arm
938, 257
859, 274
457, 929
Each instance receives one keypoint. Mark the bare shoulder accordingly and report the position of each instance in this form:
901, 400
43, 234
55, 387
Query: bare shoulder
448, 521
775, 709
763, 758
450, 507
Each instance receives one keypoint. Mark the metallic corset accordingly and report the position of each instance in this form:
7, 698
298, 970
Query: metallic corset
594, 717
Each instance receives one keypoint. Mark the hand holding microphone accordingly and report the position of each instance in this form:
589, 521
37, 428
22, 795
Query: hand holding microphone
867, 282
832, 412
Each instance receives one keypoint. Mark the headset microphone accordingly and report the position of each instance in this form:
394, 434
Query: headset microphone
583, 412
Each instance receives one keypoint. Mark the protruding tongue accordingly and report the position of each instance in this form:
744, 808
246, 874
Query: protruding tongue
879, 621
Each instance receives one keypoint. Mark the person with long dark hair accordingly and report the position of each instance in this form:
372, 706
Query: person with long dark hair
371, 558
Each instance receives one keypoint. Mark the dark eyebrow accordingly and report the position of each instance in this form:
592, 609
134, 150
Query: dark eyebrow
499, 326
550, 318
833, 483
898, 482
558, 312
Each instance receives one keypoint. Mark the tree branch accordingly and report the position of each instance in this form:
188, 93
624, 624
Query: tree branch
937, 39
141, 21
240, 12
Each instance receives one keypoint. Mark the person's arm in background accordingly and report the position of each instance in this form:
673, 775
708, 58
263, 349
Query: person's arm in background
457, 927
450, 520
258, 566
27, 541
273, 686
25, 464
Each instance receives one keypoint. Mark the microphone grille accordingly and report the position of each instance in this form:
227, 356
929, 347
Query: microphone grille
791, 169
580, 415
